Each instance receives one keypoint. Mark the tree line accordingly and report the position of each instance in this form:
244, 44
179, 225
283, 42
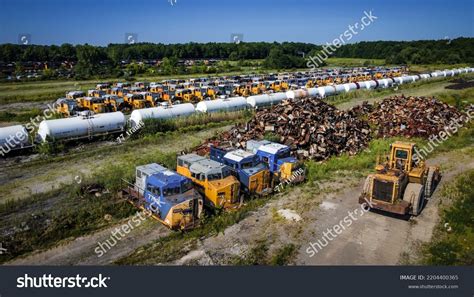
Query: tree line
105, 60
446, 51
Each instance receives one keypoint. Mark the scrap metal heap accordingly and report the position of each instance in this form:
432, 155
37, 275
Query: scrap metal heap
312, 128
409, 116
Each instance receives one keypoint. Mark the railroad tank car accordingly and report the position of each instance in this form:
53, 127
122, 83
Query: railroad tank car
81, 126
296, 94
350, 87
13, 138
161, 113
340, 88
313, 92
229, 104
266, 99
368, 84
385, 82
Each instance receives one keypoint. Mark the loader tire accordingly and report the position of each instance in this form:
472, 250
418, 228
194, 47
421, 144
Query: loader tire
414, 195
430, 182
367, 184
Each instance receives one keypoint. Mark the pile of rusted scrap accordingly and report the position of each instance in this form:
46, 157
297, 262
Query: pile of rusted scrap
312, 128
409, 116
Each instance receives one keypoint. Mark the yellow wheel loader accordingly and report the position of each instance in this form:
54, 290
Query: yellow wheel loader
400, 184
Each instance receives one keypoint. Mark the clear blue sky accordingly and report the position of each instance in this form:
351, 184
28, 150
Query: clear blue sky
106, 21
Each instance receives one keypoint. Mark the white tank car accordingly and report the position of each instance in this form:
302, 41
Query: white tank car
296, 94
266, 99
161, 113
229, 104
14, 137
81, 127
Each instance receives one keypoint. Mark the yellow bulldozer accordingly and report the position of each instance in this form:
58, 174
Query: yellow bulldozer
401, 183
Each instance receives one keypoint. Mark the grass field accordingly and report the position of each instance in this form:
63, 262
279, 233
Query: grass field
354, 62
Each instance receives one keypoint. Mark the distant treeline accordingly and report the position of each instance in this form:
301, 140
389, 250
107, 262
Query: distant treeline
460, 50
93, 60
142, 51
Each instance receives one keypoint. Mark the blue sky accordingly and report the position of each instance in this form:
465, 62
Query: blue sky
106, 21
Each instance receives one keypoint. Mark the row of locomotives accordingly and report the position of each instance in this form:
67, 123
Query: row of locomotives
402, 183
277, 157
221, 190
166, 195
254, 176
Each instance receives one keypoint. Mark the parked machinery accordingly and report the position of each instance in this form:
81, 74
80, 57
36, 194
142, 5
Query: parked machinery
67, 107
75, 94
209, 92
93, 104
254, 176
114, 103
95, 93
277, 157
400, 185
212, 179
184, 95
167, 195
135, 101
102, 86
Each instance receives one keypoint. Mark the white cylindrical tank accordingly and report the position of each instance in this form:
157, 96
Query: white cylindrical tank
161, 113
368, 84
326, 91
266, 99
296, 94
384, 83
340, 88
230, 104
350, 87
13, 137
398, 80
313, 92
80, 127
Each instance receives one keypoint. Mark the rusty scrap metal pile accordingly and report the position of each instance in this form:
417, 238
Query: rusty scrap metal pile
409, 116
317, 130
312, 128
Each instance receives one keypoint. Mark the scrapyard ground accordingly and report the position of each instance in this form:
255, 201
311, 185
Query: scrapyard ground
264, 236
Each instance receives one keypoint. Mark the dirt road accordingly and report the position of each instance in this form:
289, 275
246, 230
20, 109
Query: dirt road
81, 251
376, 238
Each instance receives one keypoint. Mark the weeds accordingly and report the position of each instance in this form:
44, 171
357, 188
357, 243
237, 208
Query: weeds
453, 239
